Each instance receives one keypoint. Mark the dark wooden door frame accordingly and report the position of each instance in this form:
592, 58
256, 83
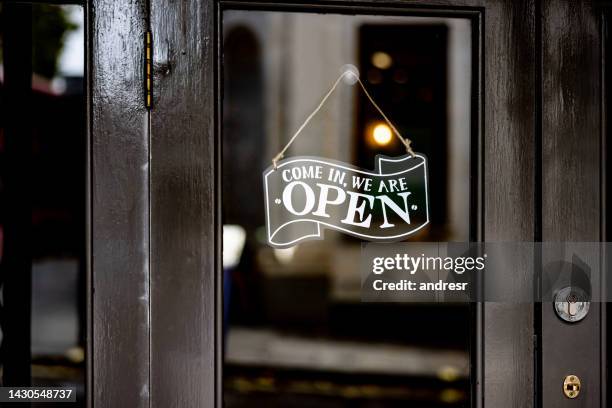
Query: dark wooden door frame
119, 344
155, 195
572, 186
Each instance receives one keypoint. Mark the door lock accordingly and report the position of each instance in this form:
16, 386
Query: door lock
571, 386
571, 304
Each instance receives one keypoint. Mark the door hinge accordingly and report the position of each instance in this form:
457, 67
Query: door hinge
148, 70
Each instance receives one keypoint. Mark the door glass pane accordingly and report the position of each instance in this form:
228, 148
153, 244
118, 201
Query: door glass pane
295, 331
42, 196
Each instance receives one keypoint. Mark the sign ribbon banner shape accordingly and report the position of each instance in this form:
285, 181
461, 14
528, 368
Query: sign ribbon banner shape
305, 195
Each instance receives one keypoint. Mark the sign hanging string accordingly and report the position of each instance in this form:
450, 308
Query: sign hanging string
405, 141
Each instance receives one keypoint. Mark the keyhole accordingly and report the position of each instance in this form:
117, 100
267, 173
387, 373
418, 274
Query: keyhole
572, 307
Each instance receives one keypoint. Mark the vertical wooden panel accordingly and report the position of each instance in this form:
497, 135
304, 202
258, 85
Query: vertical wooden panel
571, 141
509, 139
183, 196
119, 206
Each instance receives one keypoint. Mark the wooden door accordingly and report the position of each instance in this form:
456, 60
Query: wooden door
156, 183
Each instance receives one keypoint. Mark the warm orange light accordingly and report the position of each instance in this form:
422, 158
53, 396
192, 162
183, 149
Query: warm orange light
381, 134
381, 60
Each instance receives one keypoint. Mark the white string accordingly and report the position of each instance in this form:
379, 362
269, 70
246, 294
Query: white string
405, 141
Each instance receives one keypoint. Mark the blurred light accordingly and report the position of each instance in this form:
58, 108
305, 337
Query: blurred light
381, 60
243, 385
58, 85
451, 396
234, 237
285, 256
265, 383
448, 373
71, 60
75, 354
324, 386
350, 391
382, 134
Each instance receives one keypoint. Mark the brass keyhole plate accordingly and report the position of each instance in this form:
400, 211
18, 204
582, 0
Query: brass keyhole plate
571, 386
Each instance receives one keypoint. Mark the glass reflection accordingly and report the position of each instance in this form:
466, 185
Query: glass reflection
42, 196
296, 333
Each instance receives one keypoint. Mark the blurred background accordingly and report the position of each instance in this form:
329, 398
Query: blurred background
295, 331
42, 196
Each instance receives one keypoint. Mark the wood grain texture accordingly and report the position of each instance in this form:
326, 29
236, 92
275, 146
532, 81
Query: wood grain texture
183, 206
183, 192
571, 187
119, 206
509, 139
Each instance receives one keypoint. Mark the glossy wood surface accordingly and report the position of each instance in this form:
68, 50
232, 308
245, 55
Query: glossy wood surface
120, 207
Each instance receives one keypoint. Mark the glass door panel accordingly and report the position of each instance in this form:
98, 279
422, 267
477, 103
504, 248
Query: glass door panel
295, 330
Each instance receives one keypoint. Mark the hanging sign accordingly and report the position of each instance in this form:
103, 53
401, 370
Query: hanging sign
305, 195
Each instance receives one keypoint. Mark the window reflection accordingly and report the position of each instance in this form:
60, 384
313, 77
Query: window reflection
42, 196
296, 333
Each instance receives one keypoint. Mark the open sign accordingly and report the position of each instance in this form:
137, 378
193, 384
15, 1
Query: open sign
305, 195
